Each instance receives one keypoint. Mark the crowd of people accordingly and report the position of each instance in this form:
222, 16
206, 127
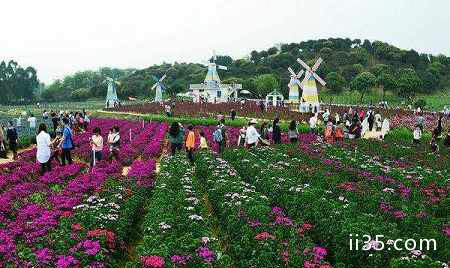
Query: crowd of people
56, 144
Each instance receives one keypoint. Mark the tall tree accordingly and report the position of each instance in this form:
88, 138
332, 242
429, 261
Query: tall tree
363, 82
265, 84
408, 83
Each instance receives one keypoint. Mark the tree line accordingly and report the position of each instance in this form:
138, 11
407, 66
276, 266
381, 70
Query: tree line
348, 65
17, 84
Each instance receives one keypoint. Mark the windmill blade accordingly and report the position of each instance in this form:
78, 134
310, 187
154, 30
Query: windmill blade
320, 80
154, 86
291, 71
117, 82
316, 66
222, 67
300, 84
214, 55
154, 78
162, 78
304, 64
300, 74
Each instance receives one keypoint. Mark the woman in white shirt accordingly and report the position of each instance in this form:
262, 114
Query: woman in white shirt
252, 135
43, 142
97, 146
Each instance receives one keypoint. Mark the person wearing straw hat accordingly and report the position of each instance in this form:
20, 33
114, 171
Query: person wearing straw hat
252, 136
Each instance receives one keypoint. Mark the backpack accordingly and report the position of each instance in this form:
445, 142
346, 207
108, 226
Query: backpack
217, 135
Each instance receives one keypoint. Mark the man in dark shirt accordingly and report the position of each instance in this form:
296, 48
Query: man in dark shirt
11, 135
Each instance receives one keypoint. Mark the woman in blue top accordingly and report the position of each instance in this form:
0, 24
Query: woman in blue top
66, 143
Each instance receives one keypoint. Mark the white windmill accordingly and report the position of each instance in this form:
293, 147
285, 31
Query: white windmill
159, 87
310, 97
212, 89
294, 86
111, 96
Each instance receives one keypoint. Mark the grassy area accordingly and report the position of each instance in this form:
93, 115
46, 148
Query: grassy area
435, 102
90, 105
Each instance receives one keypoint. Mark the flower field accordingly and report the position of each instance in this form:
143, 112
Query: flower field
400, 118
284, 206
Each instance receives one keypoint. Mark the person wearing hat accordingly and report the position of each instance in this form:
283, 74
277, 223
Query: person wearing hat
252, 135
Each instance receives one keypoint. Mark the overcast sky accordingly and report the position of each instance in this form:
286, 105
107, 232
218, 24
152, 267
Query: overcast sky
62, 37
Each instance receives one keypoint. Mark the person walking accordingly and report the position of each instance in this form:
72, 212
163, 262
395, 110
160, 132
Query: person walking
371, 120
43, 152
313, 124
176, 135
421, 121
242, 133
438, 130
233, 114
203, 142
97, 146
67, 144
55, 120
385, 128
114, 143
264, 131
2, 143
417, 135
190, 144
293, 132
326, 116
276, 131
378, 121
32, 123
252, 136
220, 135
12, 136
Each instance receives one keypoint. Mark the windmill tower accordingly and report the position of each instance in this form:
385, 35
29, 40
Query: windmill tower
212, 90
159, 87
294, 86
111, 96
212, 77
310, 97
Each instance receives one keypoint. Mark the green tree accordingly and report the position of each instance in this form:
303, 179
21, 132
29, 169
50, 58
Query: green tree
408, 83
335, 82
272, 51
349, 72
265, 84
81, 94
363, 82
387, 82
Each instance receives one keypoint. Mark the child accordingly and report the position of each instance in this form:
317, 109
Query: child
417, 135
190, 144
203, 143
